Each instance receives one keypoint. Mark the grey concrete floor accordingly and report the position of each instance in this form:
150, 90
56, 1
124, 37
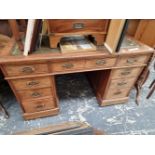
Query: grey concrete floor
78, 102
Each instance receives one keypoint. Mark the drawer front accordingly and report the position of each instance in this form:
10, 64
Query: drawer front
101, 63
35, 93
67, 65
14, 70
39, 105
78, 25
134, 60
122, 83
31, 83
116, 93
125, 72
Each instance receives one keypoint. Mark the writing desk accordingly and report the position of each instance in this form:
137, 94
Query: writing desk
32, 78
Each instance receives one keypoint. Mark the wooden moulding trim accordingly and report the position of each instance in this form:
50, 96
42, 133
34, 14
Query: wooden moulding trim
28, 116
109, 102
75, 33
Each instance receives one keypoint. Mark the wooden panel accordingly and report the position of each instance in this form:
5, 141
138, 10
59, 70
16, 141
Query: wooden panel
126, 72
132, 27
62, 128
146, 32
112, 101
102, 63
39, 105
132, 60
99, 80
35, 93
16, 70
31, 83
77, 25
122, 83
67, 65
114, 33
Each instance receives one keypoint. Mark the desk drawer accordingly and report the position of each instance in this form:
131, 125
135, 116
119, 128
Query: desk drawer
122, 83
31, 83
126, 72
16, 70
67, 65
77, 25
35, 93
132, 60
116, 93
39, 105
101, 63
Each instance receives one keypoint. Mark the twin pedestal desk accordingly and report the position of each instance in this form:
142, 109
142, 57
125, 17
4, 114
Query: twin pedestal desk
32, 78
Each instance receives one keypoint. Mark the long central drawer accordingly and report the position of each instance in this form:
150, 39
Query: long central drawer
100, 63
84, 64
67, 65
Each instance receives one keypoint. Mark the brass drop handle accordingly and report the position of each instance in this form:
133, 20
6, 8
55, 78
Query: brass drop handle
117, 93
125, 73
27, 69
39, 106
68, 65
78, 25
100, 62
35, 94
131, 60
121, 83
32, 83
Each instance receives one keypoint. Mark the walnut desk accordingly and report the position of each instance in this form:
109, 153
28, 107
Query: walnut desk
32, 78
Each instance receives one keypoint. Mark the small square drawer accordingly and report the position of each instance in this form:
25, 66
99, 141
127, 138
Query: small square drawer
132, 60
31, 83
35, 93
126, 72
39, 105
67, 65
122, 83
19, 70
116, 93
101, 63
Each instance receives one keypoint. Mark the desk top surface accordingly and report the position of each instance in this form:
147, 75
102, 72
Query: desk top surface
11, 53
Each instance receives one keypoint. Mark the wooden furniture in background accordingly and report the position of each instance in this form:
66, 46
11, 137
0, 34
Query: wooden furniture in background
94, 27
152, 86
152, 89
132, 27
146, 32
16, 33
